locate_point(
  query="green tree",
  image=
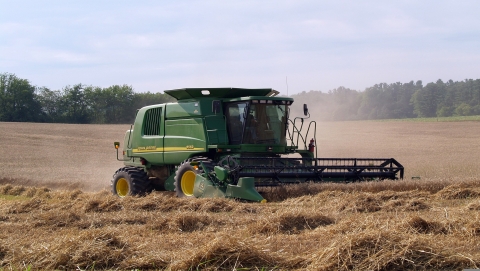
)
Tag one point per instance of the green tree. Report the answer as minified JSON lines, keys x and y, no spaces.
{"x":372,"y":102}
{"x":96,"y":101}
{"x":18,"y":99}
{"x":402,"y":106}
{"x":463,"y":110}
{"x":52,"y":104}
{"x":75,"y":103}
{"x":388,"y":101}
{"x":119,"y":104}
{"x":427,"y":99}
{"x":445,"y":111}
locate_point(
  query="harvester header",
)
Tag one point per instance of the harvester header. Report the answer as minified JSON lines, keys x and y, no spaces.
{"x":225,"y":142}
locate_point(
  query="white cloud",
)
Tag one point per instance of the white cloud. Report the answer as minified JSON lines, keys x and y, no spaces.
{"x":317,"y":44}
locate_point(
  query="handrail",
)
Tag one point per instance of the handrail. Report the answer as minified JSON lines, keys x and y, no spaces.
{"x":298,"y":129}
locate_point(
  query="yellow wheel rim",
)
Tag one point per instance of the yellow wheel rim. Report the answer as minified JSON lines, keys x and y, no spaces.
{"x":187,"y":182}
{"x":122,"y":187}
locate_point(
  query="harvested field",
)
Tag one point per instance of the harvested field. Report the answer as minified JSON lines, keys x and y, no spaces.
{"x":82,"y":156}
{"x":59,"y":155}
{"x":56,"y":211}
{"x":332,"y":230}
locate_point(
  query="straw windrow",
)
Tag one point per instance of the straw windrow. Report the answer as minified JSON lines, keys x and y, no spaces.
{"x":336,"y":229}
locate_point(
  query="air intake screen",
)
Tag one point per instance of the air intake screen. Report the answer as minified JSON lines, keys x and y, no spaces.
{"x":151,"y":123}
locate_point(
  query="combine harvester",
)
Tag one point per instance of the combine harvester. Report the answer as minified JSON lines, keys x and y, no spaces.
{"x":225,"y":142}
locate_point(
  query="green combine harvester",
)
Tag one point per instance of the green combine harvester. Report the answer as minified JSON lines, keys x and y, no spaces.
{"x":226,"y":142}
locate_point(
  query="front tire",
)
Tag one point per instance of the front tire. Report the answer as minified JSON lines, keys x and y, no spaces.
{"x":186,"y":174}
{"x":130,"y":181}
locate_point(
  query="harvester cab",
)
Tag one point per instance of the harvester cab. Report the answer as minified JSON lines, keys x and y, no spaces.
{"x":226,"y":142}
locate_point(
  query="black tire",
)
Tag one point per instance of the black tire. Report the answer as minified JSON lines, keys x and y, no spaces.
{"x":186,"y":174}
{"x":131,"y":181}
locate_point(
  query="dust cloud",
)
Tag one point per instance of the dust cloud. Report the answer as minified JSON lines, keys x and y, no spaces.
{"x":425,"y":149}
{"x":59,"y":156}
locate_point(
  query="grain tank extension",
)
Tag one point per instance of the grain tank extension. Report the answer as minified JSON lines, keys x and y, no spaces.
{"x":225,"y":142}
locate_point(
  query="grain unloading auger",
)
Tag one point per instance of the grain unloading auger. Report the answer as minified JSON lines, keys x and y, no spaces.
{"x":225,"y":142}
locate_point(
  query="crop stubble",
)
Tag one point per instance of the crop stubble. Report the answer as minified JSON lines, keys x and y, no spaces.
{"x":430,"y":223}
{"x":333,"y":230}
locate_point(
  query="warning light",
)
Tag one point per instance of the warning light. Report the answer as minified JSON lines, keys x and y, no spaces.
{"x":117,"y":145}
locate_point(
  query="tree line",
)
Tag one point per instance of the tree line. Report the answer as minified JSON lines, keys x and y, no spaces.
{"x":20,"y":101}
{"x":394,"y":101}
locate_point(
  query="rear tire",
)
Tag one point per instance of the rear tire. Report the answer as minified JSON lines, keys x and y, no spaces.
{"x":131,"y":181}
{"x":186,"y":174}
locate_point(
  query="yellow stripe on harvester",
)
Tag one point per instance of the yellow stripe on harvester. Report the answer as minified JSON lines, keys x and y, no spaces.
{"x":188,"y":148}
{"x":168,"y":149}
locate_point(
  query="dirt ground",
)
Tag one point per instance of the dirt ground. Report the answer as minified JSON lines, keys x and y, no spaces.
{"x":60,"y":155}
{"x":82,"y":156}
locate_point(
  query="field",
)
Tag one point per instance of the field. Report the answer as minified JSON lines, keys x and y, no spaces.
{"x":56,"y":211}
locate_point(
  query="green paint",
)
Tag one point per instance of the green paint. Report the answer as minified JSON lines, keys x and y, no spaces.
{"x":245,"y":189}
{"x":215,"y":123}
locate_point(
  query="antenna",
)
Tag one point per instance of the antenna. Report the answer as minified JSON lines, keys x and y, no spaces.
{"x":286,"y":81}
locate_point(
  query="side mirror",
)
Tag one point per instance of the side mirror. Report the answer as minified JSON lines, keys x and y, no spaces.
{"x":305,"y":109}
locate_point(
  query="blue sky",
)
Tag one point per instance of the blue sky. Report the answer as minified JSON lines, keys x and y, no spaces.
{"x":317,"y":45}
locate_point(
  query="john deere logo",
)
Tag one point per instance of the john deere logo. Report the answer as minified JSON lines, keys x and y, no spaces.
{"x":147,"y":148}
